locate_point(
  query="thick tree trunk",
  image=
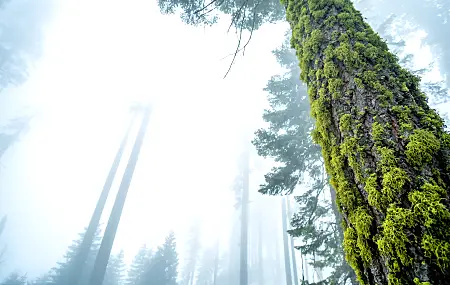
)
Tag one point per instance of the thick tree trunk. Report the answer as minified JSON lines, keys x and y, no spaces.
{"x":384,"y":148}
{"x":85,"y":247}
{"x":291,"y":240}
{"x":101,"y":261}
{"x":243,"y":280}
{"x":287,"y":259}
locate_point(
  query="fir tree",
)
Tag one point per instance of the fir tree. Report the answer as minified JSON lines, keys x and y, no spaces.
{"x":115,"y":271}
{"x":206,"y":269}
{"x":62,"y":271}
{"x":139,"y":265}
{"x":15,"y":279}
{"x":193,"y":249}
{"x":163,"y":266}
{"x":22,"y":23}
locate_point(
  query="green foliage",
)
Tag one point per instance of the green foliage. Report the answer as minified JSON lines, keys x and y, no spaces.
{"x":246,"y":14}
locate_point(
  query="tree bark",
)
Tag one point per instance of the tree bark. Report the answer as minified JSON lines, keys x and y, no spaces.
{"x":86,"y":244}
{"x":287,"y":260}
{"x":102,"y":259}
{"x":385,"y":149}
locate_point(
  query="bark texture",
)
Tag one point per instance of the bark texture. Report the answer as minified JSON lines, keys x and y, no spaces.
{"x":385,"y":149}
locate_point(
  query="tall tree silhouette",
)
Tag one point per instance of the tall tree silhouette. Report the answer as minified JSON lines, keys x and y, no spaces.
{"x":101,"y":261}
{"x":80,"y":259}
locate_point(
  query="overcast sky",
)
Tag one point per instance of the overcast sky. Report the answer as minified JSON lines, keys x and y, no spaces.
{"x":100,"y":56}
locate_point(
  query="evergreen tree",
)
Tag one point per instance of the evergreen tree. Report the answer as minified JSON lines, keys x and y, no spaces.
{"x":15,"y":279}
{"x":206,"y":269}
{"x":193,"y":249}
{"x":22,"y":23}
{"x":63,"y":271}
{"x":163,"y":266}
{"x":115,"y":272}
{"x":138,"y":266}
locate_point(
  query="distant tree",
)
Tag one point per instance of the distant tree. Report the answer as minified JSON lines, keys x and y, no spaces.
{"x":60,"y":273}
{"x":2,"y":228}
{"x":22,"y":24}
{"x":101,"y":262}
{"x":163,"y":266}
{"x":138,"y":265}
{"x":193,"y":249}
{"x":115,"y":272}
{"x":88,"y":238}
{"x":286,"y":248}
{"x":207,"y":267}
{"x":15,"y":279}
{"x":11,"y":132}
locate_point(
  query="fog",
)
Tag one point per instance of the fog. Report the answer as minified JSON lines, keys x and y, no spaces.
{"x":98,"y":58}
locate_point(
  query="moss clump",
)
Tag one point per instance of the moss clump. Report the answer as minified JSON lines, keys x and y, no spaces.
{"x":375,"y":196}
{"x":362,"y":222}
{"x":344,"y":123}
{"x":394,"y":239}
{"x":437,"y":249}
{"x":393,"y":182}
{"x":377,"y":132}
{"x":421,"y":147}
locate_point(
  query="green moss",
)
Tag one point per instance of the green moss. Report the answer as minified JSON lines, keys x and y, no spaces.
{"x":377,"y":132}
{"x":374,"y":194}
{"x":428,"y":207}
{"x":393,"y":182}
{"x":417,"y":282}
{"x":421,"y":147}
{"x":352,"y":252}
{"x":393,"y":243}
{"x":438,"y":249}
{"x":362,"y":222}
{"x":388,"y":159}
{"x":359,"y":83}
{"x":344,"y":122}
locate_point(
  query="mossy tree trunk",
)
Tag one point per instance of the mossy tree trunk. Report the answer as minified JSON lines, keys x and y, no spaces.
{"x":384,"y":147}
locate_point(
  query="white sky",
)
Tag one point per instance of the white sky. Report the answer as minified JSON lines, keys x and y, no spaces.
{"x":100,"y":56}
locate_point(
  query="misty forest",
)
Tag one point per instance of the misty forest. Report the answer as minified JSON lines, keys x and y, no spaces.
{"x":224,"y":142}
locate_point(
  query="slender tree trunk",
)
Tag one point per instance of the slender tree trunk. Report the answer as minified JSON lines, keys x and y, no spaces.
{"x":85,"y":247}
{"x":287,"y":260}
{"x":294,"y":261}
{"x":101,"y":261}
{"x":243,"y":280}
{"x":216,"y":263}
{"x":385,"y":149}
{"x":278,"y":269}
{"x":260,"y":252}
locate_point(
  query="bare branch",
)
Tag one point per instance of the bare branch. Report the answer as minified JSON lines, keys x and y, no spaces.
{"x":237,"y":50}
{"x":204,"y":7}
